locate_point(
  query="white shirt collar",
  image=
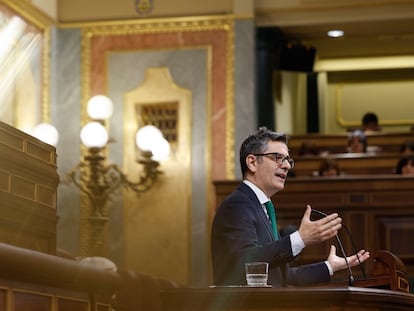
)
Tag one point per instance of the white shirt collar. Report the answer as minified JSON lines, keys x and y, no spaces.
{"x":259,"y":193}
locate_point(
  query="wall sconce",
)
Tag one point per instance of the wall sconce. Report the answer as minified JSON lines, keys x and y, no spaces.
{"x":99,"y":180}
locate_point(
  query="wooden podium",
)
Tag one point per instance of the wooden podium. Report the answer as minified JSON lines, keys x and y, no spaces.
{"x":385,"y":289}
{"x":389,"y":272}
{"x":315,"y":298}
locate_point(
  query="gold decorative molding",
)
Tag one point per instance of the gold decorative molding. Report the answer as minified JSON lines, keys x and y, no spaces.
{"x":168,"y":25}
{"x":46,"y":76}
{"x":356,"y":123}
{"x":230,"y":105}
{"x":29,"y":12}
{"x":150,"y":26}
{"x":155,"y":25}
{"x":43,"y":22}
{"x":338,"y":101}
{"x":85,"y":72}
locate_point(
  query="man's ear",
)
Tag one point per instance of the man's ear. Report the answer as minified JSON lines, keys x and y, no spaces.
{"x":251,"y":162}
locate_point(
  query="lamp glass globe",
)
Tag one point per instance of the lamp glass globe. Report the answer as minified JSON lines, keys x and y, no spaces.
{"x":94,"y":134}
{"x":161,"y":150}
{"x":47,"y":133}
{"x":147,"y":137}
{"x":100,"y":107}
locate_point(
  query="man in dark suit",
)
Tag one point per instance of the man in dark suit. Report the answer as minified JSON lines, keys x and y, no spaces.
{"x":242,"y":227}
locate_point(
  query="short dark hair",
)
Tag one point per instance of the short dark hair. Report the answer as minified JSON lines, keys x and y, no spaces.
{"x":257,"y":143}
{"x":370,"y":117}
{"x":407,"y":145}
{"x":403,"y":162}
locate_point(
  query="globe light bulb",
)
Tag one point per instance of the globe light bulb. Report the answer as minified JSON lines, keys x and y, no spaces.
{"x":147,"y":137}
{"x":47,"y":133}
{"x":100,"y":107}
{"x":161,"y":150}
{"x":150,"y":138}
{"x":94,"y":135}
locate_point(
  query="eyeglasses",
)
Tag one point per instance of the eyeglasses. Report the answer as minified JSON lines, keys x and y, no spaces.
{"x":278,"y":158}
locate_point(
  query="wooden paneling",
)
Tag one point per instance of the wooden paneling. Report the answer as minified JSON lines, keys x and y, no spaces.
{"x":350,"y":163}
{"x":293,"y":299}
{"x":28,"y":187}
{"x":31,"y":280}
{"x":387,"y":142}
{"x":35,"y":281}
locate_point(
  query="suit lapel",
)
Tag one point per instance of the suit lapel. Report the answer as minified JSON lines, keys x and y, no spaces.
{"x":258,"y":209}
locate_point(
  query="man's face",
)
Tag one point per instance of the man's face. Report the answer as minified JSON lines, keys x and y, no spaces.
{"x":267,"y":174}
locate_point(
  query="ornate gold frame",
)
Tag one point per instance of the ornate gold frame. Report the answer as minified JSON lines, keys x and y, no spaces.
{"x":40,"y":20}
{"x":89,"y":30}
{"x":167,"y":25}
{"x":356,"y":123}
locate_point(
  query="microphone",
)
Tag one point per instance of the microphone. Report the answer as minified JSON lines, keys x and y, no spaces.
{"x":355,"y":251}
{"x":348,"y":232}
{"x":350,"y":275}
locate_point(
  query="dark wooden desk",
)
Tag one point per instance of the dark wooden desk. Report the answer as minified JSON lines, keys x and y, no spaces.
{"x":255,"y":299}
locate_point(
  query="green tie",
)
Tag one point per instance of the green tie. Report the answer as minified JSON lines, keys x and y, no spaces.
{"x":271,"y":212}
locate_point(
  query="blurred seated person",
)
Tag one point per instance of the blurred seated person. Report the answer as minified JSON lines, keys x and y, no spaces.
{"x":329,"y":167}
{"x":369,"y":123}
{"x":405,"y":166}
{"x":308,"y":149}
{"x":357,"y":142}
{"x":407,"y":148}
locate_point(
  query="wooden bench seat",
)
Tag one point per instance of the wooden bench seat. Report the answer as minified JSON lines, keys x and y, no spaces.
{"x":386,"y":142}
{"x":350,"y":163}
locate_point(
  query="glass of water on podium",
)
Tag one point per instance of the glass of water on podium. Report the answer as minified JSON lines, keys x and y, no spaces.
{"x":257,"y":274}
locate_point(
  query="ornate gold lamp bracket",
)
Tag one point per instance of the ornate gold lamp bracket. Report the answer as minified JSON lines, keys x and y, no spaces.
{"x":100,"y":181}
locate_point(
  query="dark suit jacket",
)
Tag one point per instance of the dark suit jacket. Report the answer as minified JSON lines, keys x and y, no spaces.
{"x":241,"y":233}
